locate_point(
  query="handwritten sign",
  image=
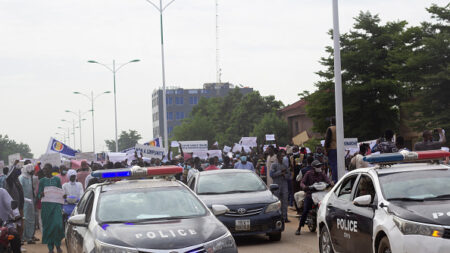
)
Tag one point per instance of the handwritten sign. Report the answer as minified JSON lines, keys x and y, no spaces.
{"x":191,"y":146}
{"x":270,"y":137}
{"x":53,"y":158}
{"x":150,"y":151}
{"x":53,"y":194}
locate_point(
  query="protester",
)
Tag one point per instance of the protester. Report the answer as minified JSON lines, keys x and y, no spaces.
{"x":15,"y":190}
{"x":271,"y":158}
{"x":244,"y":165}
{"x":212,"y":164}
{"x":386,"y":145}
{"x":330,"y":149}
{"x":311,"y":177}
{"x":227,"y":163}
{"x":26,"y":180}
{"x":357,"y":161}
{"x":3,"y":177}
{"x":63,"y":174}
{"x":52,"y":232}
{"x":73,"y":188}
{"x":6,"y":213}
{"x":428,"y":143}
{"x":85,"y":171}
{"x":280,"y":173}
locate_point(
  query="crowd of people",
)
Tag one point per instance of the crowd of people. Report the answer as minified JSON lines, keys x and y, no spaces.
{"x":293,"y":168}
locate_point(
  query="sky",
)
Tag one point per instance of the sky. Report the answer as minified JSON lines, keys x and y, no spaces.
{"x":271,"y":46}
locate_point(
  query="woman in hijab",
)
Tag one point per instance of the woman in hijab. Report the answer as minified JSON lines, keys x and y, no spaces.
{"x":72,"y":188}
{"x":52,"y":221}
{"x":26,"y":180}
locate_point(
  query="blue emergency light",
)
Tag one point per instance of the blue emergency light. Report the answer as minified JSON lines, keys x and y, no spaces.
{"x":137,"y":172}
{"x":406,"y":156}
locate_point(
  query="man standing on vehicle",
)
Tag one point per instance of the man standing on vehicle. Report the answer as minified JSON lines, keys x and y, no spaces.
{"x":311,"y":177}
{"x":428,"y":143}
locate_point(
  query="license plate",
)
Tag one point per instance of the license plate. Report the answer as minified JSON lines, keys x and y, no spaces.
{"x":242,"y":225}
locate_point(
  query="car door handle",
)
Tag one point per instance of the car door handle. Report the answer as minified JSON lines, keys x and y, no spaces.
{"x":349,"y":211}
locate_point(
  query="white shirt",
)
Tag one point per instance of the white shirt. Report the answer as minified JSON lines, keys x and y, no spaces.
{"x":73,"y":189}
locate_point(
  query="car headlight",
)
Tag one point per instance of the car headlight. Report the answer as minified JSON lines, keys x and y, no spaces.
{"x":102,"y":247}
{"x":273,"y":207}
{"x":414,"y":228}
{"x":222,"y":244}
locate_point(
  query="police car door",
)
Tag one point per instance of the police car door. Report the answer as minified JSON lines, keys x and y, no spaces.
{"x":336,"y":218}
{"x":362,"y":217}
{"x":75,"y":234}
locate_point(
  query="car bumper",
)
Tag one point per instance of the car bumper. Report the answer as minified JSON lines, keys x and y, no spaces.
{"x":419,"y":244}
{"x":259,"y":224}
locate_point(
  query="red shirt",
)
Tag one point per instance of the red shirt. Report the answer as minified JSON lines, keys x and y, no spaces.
{"x":211,"y":167}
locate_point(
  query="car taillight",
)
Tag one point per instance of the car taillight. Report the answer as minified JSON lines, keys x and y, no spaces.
{"x":10,"y":237}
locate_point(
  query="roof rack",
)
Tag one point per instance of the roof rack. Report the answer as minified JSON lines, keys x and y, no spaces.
{"x":406,"y":156}
{"x":137,"y":172}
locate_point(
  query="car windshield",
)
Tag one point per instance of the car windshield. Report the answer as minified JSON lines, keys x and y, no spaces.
{"x":223,"y":183}
{"x":137,"y":205}
{"x":416,"y":185}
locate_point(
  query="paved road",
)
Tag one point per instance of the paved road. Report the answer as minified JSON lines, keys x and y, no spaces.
{"x":306,"y":243}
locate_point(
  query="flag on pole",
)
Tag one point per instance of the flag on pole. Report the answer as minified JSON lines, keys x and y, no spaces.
{"x":154,"y":143}
{"x":55,"y":146}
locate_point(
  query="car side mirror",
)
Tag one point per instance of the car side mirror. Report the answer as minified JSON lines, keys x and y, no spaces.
{"x":218,"y":210}
{"x":14,"y":204}
{"x":364,"y":200}
{"x":274,"y":187}
{"x":78,"y":220}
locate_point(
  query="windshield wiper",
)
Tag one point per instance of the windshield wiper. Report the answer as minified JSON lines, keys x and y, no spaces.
{"x":404,"y":199}
{"x":443,"y":196}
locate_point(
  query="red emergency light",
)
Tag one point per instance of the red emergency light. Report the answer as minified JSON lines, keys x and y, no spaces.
{"x":137,"y":172}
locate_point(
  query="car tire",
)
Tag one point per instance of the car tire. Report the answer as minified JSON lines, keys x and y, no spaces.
{"x":275,"y":237}
{"x":385,"y":246}
{"x":325,"y":244}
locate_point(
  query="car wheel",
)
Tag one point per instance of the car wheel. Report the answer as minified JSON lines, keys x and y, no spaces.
{"x":384,"y":246}
{"x":325,"y":245}
{"x":312,"y":224}
{"x":275,"y":237}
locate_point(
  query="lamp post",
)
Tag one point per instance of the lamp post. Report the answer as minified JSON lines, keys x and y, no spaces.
{"x":68,"y":134}
{"x":73,"y":131}
{"x":92,"y":98}
{"x":161,"y":9}
{"x":62,"y":135}
{"x":79,"y":115}
{"x":114,"y":71}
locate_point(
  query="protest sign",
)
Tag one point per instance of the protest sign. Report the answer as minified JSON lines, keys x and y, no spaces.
{"x":53,"y":158}
{"x":174,"y":144}
{"x":213,"y":153}
{"x":12,"y":158}
{"x":351,"y":143}
{"x":101,"y":157}
{"x":53,"y":194}
{"x":226,"y":149}
{"x":237,"y":148}
{"x":203,"y":154}
{"x":150,"y":151}
{"x":191,"y":146}
{"x":88,"y":156}
{"x":116,"y":157}
{"x":301,"y":138}
{"x":248,"y":141}
{"x":270,"y":137}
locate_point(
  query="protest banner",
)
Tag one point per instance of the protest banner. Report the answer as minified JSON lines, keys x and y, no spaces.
{"x":55,"y":146}
{"x":301,"y":138}
{"x":12,"y":158}
{"x":53,"y":158}
{"x":213,"y":153}
{"x":237,"y":148}
{"x":53,"y":194}
{"x":270,"y":137}
{"x":202,"y":154}
{"x":116,"y":156}
{"x":248,"y":142}
{"x":226,"y":149}
{"x":191,"y":146}
{"x":88,"y":156}
{"x":101,"y":157}
{"x":351,"y":143}
{"x":150,"y":151}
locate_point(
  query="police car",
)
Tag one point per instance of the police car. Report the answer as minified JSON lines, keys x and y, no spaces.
{"x":146,"y":215}
{"x":389,"y":208}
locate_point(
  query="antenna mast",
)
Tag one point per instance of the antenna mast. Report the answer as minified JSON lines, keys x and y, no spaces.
{"x":218,"y":69}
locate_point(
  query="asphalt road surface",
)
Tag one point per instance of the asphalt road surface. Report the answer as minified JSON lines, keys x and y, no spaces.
{"x":305,"y":243}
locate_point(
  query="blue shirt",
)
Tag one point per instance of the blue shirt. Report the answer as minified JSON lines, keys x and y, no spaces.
{"x":247,"y":166}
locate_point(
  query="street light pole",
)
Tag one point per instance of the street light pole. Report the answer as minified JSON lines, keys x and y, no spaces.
{"x":79,"y":115}
{"x":73,"y":133}
{"x":114,"y":71}
{"x":338,"y":92}
{"x":161,"y":10}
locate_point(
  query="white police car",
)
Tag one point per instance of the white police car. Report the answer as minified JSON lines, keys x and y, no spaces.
{"x":145,"y":215}
{"x":389,"y":208}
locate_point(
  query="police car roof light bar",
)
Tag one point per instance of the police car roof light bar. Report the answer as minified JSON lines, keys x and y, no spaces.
{"x":406,"y":156}
{"x":137,"y":172}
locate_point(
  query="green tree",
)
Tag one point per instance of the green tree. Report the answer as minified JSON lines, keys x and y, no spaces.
{"x":126,"y":140}
{"x":371,"y":91}
{"x":9,"y":147}
{"x":271,"y":123}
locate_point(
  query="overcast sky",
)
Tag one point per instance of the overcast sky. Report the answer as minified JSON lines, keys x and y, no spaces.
{"x":272,"y":46}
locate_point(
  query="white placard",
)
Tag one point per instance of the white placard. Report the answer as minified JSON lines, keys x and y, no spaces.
{"x":12,"y":158}
{"x":270,"y":137}
{"x":323,"y":143}
{"x":53,"y":158}
{"x":191,"y":146}
{"x":53,"y":194}
{"x":88,"y":156}
{"x":200,"y":154}
{"x":351,"y":143}
{"x":149,"y":151}
{"x":248,"y":141}
{"x":213,"y":153}
{"x":446,"y":149}
{"x":174,"y":144}
{"x":116,"y":156}
{"x":226,"y":149}
{"x":237,"y":148}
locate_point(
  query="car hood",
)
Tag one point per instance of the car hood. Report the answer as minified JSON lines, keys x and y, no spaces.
{"x":261,"y":197}
{"x":162,"y":234}
{"x":432,"y":212}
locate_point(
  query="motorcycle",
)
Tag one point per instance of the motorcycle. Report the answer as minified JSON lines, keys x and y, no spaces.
{"x":69,"y":204}
{"x":311,"y":219}
{"x":7,"y":234}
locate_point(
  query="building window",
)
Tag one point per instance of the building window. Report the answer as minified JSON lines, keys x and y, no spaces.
{"x":170,"y":129}
{"x":170,"y":92}
{"x":169,"y":115}
{"x":179,"y":115}
{"x":180,"y":91}
{"x":179,"y":100}
{"x":169,"y":100}
{"x":205,"y":91}
{"x":193,"y":100}
{"x":193,"y":91}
